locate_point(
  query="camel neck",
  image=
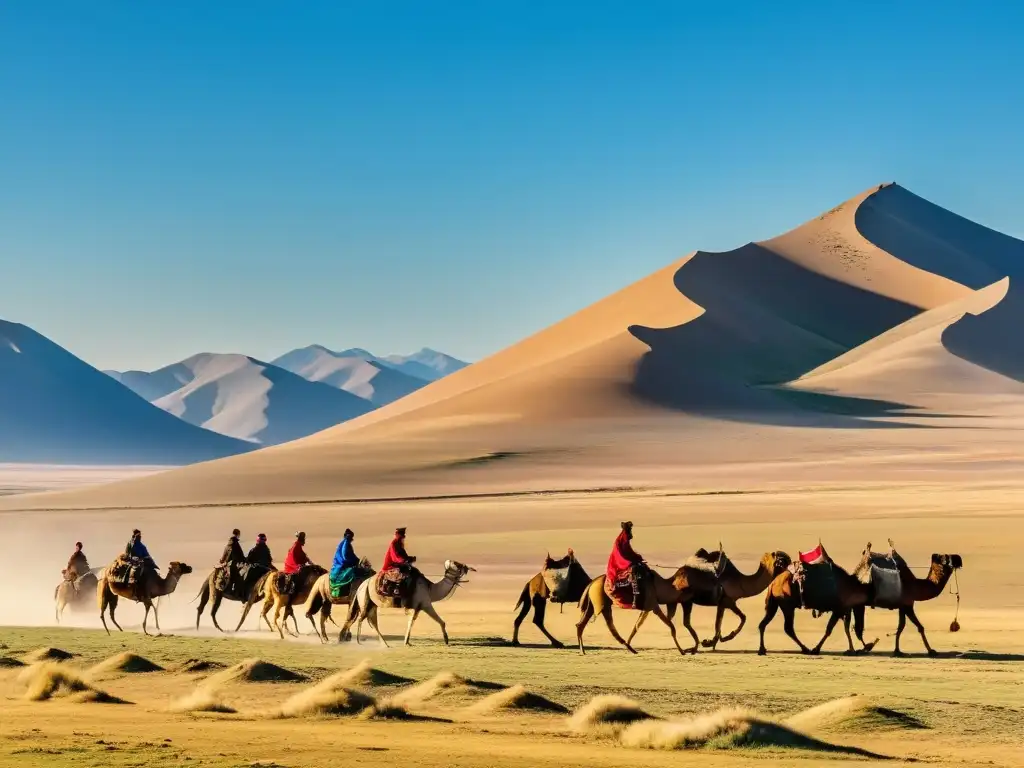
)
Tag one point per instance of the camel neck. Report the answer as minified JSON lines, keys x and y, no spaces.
{"x":441,"y":589}
{"x":756,"y":582}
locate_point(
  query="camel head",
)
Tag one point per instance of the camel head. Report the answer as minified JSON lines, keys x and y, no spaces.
{"x":366,"y":564}
{"x":948,"y":561}
{"x":777,"y":562}
{"x":456,"y":570}
{"x":178,"y":569}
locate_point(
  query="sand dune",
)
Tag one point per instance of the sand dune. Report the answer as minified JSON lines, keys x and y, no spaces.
{"x":849,"y":329}
{"x":56,"y":408}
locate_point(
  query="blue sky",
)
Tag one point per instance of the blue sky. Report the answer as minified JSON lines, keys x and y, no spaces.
{"x":254,"y":176}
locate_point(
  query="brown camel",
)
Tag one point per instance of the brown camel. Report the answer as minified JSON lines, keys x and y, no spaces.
{"x":149,"y":587}
{"x":915,"y":590}
{"x":252,"y":591}
{"x":785,"y":593}
{"x":655,"y":592}
{"x":303,"y":586}
{"x":536,"y":594}
{"x":320,"y":600}
{"x":734,"y":587}
{"x":76,"y":594}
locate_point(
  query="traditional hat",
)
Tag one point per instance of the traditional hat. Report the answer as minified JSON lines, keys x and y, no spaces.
{"x":236,"y":532}
{"x":399,"y":531}
{"x":261,"y":537}
{"x":349,"y":532}
{"x":300,"y":535}
{"x":628,"y":525}
{"x":78,"y":545}
{"x":136,"y":532}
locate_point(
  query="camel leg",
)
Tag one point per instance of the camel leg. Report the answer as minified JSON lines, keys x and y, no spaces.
{"x":833,"y":619}
{"x":103,"y":597}
{"x":371,"y":617}
{"x":149,"y":604}
{"x":606,"y":613}
{"x":771,"y":607}
{"x":687,"y":615}
{"x":585,"y":616}
{"x":743,"y":620}
{"x":671,"y":627}
{"x":540,"y":606}
{"x":204,"y":598}
{"x":858,"y":627}
{"x":268,"y":602}
{"x":290,"y":611}
{"x":277,"y":617}
{"x":429,"y":610}
{"x":217,"y":599}
{"x":636,"y":627}
{"x":346,"y":628}
{"x":156,"y":618}
{"x":719,"y":615}
{"x":245,"y":612}
{"x":527,"y":603}
{"x":899,"y":631}
{"x":408,"y":628}
{"x":325,"y":613}
{"x":789,"y":624}
{"x":920,"y":628}
{"x":849,"y":638}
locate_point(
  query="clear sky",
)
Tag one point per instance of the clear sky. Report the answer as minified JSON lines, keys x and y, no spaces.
{"x":178,"y":177}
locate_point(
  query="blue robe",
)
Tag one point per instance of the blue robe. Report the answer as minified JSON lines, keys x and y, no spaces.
{"x":345,"y":562}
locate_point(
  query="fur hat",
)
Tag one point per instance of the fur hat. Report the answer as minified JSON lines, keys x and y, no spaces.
{"x":627,"y":526}
{"x":300,"y":535}
{"x":236,"y":532}
{"x":261,"y":537}
{"x":78,"y":545}
{"x":349,"y":533}
{"x":399,"y":531}
{"x":136,"y":532}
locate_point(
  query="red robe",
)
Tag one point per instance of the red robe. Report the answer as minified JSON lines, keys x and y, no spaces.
{"x":295,"y":559}
{"x":396,"y":555}
{"x":622,"y":557}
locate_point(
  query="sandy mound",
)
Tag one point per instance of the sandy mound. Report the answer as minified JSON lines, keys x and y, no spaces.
{"x":607,"y":711}
{"x":330,"y":697}
{"x":6,"y":662}
{"x":201,"y":700}
{"x":128,"y":663}
{"x":255,"y":671}
{"x":443,"y":684}
{"x":853,"y":713}
{"x":49,"y":680}
{"x":363,"y":675}
{"x":198,"y":665}
{"x":516,"y":698}
{"x":46,"y":654}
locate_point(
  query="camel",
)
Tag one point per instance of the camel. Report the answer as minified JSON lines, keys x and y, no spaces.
{"x":253,"y":591}
{"x":784,"y":594}
{"x":320,"y":600}
{"x":734,"y":587}
{"x":655,"y":592}
{"x":915,"y":590}
{"x":306,"y":578}
{"x":424,"y":594}
{"x":537,"y":593}
{"x":76,"y":594}
{"x":149,"y":587}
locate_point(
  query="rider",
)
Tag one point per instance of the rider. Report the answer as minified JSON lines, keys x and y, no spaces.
{"x":345,"y":559}
{"x":231,"y":558}
{"x":397,"y":557}
{"x":137,"y":549}
{"x":260,"y":553}
{"x":294,"y":561}
{"x":623,"y":558}
{"x":78,"y":565}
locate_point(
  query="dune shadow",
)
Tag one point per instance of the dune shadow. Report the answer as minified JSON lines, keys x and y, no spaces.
{"x":766,"y":322}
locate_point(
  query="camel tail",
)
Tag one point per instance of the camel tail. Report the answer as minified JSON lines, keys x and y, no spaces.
{"x":524,"y":598}
{"x":203,"y":590}
{"x":584,"y":606}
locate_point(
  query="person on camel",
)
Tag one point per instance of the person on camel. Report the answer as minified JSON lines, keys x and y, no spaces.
{"x":260,"y":553}
{"x":231,"y":559}
{"x":396,"y":556}
{"x":345,"y":567}
{"x":78,"y":564}
{"x":294,"y":561}
{"x":624,"y":559}
{"x":136,"y":550}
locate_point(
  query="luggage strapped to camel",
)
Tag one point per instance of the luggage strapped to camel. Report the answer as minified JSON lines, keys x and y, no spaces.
{"x":814,"y":567}
{"x":394,"y":586}
{"x":882,"y":572}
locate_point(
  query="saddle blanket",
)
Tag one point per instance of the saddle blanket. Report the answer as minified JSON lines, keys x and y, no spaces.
{"x":816,"y":585}
{"x":393,"y":587}
{"x":127,"y":570}
{"x":343,"y":583}
{"x":620,"y":589}
{"x":882,"y":572}
{"x":557,"y":581}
